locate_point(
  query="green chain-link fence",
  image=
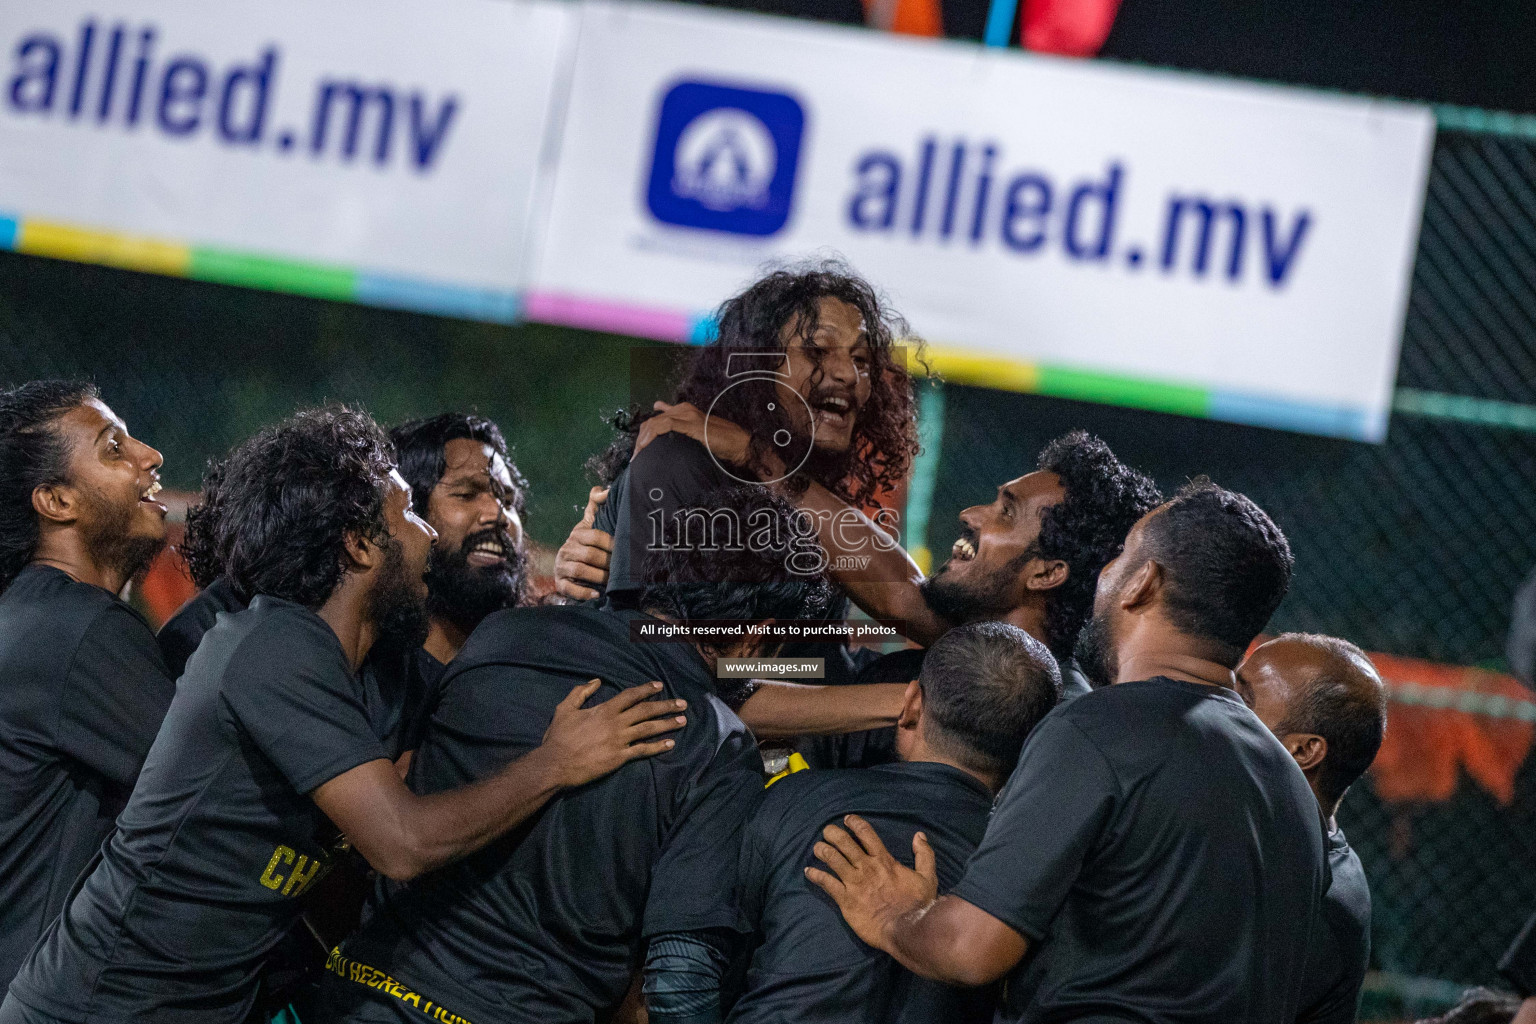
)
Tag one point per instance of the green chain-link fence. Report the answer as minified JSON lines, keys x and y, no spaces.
{"x":1413,"y":547}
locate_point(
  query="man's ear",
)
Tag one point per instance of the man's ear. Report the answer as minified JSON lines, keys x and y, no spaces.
{"x":363,"y":553}
{"x":1046,"y":574}
{"x":911,"y":707}
{"x":1143,"y":587}
{"x":753,"y":644}
{"x":57,"y":503}
{"x":1308,"y":749}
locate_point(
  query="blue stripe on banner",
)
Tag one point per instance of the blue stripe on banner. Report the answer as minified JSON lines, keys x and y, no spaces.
{"x":10,"y":227}
{"x":1335,"y":420}
{"x":1000,"y":22}
{"x":705,"y":329}
{"x":442,"y":299}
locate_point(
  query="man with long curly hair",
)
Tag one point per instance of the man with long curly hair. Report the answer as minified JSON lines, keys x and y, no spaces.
{"x":267,"y":757}
{"x":809,"y":363}
{"x":85,"y":688}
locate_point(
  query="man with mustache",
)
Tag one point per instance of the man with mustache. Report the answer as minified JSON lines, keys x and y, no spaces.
{"x":550,"y":923}
{"x":1030,"y":558}
{"x":464,"y":483}
{"x":267,"y":757}
{"x":1323,"y":700}
{"x":467,"y":489}
{"x":85,"y":688}
{"x":1157,"y":855}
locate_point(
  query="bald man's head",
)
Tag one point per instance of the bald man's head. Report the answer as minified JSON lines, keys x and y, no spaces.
{"x":1323,"y":698}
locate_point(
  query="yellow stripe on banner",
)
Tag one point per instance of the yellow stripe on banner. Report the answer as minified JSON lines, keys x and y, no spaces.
{"x":61,"y":242}
{"x":961,"y":367}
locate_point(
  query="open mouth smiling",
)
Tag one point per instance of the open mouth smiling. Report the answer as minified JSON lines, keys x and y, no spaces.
{"x":487,"y":552}
{"x":148,"y":496}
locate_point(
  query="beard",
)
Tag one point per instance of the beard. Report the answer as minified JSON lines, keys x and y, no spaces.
{"x":464,"y":595}
{"x":106,"y":529}
{"x":1095,"y":653}
{"x":395,"y":607}
{"x":977,"y":600}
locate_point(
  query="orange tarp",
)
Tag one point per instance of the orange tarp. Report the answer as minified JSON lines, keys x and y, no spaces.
{"x":1426,"y":747}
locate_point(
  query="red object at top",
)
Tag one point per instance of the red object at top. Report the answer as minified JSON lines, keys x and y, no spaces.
{"x":1071,"y":28}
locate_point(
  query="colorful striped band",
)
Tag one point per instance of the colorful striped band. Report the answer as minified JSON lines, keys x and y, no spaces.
{"x":317,"y":280}
{"x":224,"y":266}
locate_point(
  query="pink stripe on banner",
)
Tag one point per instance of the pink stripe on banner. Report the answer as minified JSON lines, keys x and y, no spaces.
{"x":613,"y":317}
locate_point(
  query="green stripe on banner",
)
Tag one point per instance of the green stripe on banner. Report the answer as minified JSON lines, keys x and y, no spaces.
{"x":1486,"y":122}
{"x":316,"y":280}
{"x":1487,"y":412}
{"x":1139,"y":394}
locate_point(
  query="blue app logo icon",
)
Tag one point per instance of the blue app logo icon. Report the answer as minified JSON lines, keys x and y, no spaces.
{"x":725,"y":158}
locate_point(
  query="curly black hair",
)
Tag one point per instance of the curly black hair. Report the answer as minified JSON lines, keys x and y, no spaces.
{"x":885,"y":436}
{"x":419,"y":446}
{"x":1228,"y":566}
{"x":1104,"y":498}
{"x":768,"y":566}
{"x":32,"y":453}
{"x":292,"y":494}
{"x":199,"y":541}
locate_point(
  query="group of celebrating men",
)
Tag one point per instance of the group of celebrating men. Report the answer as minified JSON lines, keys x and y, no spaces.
{"x":362,"y":777}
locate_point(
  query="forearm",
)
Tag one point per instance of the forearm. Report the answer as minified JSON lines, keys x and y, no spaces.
{"x":871,"y":566}
{"x":438,"y":829}
{"x":1527,"y":1013}
{"x":939,"y":941}
{"x":780,"y":710}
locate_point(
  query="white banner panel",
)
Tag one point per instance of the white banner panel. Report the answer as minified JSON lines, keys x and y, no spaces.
{"x":1163,"y":240}
{"x":387,"y":144}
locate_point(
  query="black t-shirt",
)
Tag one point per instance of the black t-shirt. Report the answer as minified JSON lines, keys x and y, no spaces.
{"x":83,"y":696}
{"x":547,"y":923}
{"x":1341,"y":946}
{"x":398,"y":686}
{"x":870,"y":747}
{"x":220,"y":838}
{"x":182,"y":632}
{"x":807,"y":965}
{"x":1164,"y":856}
{"x":674,"y":472}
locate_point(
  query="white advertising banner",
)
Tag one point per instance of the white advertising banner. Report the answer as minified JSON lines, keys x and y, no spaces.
{"x":1074,"y":228}
{"x":380,"y":150}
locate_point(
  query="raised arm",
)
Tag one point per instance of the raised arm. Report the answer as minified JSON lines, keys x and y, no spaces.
{"x":403,"y":835}
{"x":896,"y":909}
